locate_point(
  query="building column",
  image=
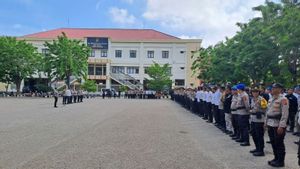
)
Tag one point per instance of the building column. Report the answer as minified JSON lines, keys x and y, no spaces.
{"x":108,"y":79}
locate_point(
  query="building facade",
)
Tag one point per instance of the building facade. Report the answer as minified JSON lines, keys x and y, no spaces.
{"x":119,"y":54}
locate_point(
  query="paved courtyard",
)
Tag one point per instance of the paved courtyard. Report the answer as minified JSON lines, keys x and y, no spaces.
{"x":118,"y":134}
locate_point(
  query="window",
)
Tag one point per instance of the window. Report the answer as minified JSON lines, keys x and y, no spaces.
{"x":182,"y":52}
{"x":150,"y":54}
{"x":104,"y":53}
{"x":104,"y":70}
{"x":182,"y":68}
{"x":118,"y":53}
{"x":99,"y":70}
{"x":118,"y":69}
{"x":45,"y":51}
{"x":165,"y":54}
{"x":93,"y":53}
{"x":132,"y":70}
{"x":132,"y":54}
{"x":179,"y":82}
{"x":91,"y":70}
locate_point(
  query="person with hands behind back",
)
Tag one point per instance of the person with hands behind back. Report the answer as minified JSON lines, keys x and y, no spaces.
{"x":276,"y":122}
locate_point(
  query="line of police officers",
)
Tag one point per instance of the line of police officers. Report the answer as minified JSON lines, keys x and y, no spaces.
{"x":236,"y":113}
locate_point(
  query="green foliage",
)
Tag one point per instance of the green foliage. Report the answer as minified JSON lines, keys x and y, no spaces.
{"x":67,"y":58}
{"x":90,"y":86}
{"x":123,"y":88}
{"x":18,"y":60}
{"x":160,"y":77}
{"x":265,"y":50}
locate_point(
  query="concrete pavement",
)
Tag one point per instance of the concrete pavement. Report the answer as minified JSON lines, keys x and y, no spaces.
{"x":118,"y":134}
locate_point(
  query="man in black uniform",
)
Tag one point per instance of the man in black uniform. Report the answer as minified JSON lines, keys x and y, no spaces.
{"x":293,"y":108}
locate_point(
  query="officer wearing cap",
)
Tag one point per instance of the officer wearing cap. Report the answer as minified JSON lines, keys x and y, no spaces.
{"x":236,"y":132}
{"x":243,"y":107}
{"x":276,"y":121}
{"x":257,"y":117}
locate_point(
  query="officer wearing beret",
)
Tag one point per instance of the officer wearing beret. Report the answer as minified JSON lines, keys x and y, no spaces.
{"x":276,"y":121}
{"x":257,"y":117}
{"x":243,"y":107}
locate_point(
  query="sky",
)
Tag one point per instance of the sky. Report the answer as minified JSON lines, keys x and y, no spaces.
{"x":209,"y":20}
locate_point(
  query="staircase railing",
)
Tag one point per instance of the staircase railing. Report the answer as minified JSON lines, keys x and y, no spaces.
{"x":126,"y":79}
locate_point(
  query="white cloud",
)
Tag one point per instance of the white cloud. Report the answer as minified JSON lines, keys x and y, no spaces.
{"x":189,"y":37}
{"x":121,"y":16}
{"x":212,"y":19}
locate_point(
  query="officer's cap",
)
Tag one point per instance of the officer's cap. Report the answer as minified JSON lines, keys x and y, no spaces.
{"x":255,"y":89}
{"x":277,"y":85}
{"x":234,"y":88}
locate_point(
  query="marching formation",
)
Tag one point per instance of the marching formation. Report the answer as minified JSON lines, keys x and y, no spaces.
{"x":240,"y":111}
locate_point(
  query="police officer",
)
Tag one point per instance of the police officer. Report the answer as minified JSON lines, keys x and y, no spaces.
{"x":243,"y":108}
{"x":257,"y":117}
{"x":276,"y":121}
{"x":55,"y":94}
{"x":293,"y":108}
{"x":228,"y":116}
{"x":233,"y":107}
{"x":209,"y":105}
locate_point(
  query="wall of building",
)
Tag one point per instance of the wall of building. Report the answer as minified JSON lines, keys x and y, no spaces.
{"x":180,"y":53}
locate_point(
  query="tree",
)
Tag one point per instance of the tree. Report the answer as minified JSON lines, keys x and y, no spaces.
{"x":123,"y":88}
{"x":160,"y":77}
{"x":67,"y":58}
{"x":287,"y":33}
{"x":90,"y":86}
{"x":265,"y":50}
{"x":18,"y":60}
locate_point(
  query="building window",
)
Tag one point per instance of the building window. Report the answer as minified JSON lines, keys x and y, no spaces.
{"x":99,"y":70}
{"x":179,"y":82}
{"x":132,"y":70}
{"x":93,"y":53}
{"x":150,"y":54}
{"x":104,"y":53}
{"x":104,"y":70}
{"x":118,"y":53}
{"x":132,"y":54}
{"x":45,"y":51}
{"x":182,"y":52}
{"x":165,"y":54}
{"x":91,"y":70}
{"x":182,"y":68}
{"x":118,"y":69}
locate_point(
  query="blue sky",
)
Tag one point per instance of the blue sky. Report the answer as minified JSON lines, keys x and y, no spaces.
{"x":210,"y":20}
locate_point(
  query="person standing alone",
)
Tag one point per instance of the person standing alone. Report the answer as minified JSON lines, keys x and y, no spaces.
{"x":55,"y":94}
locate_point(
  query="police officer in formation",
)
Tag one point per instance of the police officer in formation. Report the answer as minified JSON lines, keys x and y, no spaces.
{"x":276,"y":121}
{"x":257,"y":118}
{"x":237,"y":110}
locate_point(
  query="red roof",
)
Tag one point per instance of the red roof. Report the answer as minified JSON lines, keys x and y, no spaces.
{"x":114,"y":34}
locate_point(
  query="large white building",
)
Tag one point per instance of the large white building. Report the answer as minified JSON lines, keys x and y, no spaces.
{"x":121,"y":56}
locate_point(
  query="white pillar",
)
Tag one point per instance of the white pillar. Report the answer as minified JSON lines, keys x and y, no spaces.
{"x":108,"y":79}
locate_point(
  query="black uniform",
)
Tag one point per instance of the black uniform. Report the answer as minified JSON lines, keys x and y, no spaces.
{"x":293,"y":108}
